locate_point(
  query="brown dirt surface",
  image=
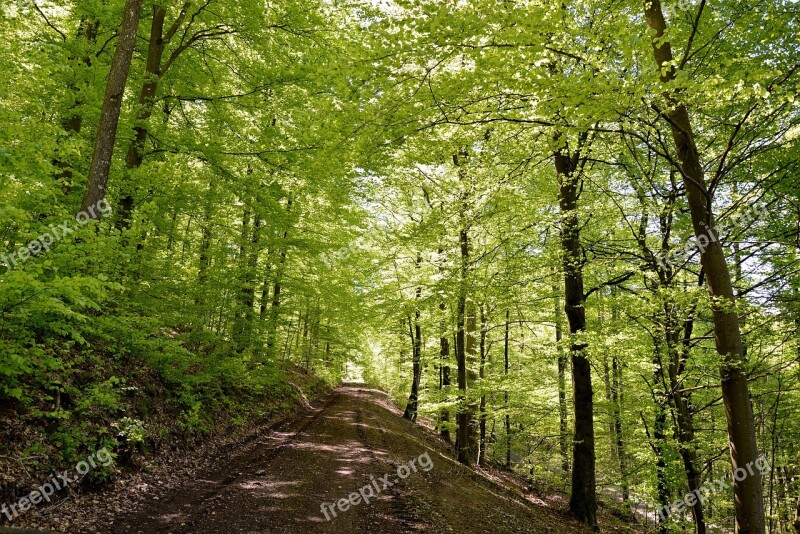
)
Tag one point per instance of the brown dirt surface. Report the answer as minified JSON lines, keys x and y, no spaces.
{"x":351,"y":439}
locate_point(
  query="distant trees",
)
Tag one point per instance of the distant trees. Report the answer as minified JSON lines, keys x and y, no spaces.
{"x":469,"y":157}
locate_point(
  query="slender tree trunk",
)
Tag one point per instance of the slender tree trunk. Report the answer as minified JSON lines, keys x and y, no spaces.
{"x":462,"y":416}
{"x":471,"y":350}
{"x":306,"y":348}
{"x":612,"y":428}
{"x":466,"y":439}
{"x":748,"y":500}
{"x":563,"y":439}
{"x":505,"y":393}
{"x":416,"y":339}
{"x":153,"y":73}
{"x":616,"y":400}
{"x":277,"y":288}
{"x":678,"y":350}
{"x":444,"y":353}
{"x":796,"y":523}
{"x":658,"y":443}
{"x":239,"y":328}
{"x":248,"y":285}
{"x":662,"y":484}
{"x":112,"y":105}
{"x":265,"y":286}
{"x":583,"y":501}
{"x":616,"y":406}
{"x":482,"y":374}
{"x":204,"y":260}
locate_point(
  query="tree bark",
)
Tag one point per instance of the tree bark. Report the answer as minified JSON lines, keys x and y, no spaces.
{"x":662,"y":484}
{"x":444,"y":354}
{"x":563,"y":439}
{"x":748,"y":501}
{"x":678,"y":348}
{"x":482,"y":375}
{"x":466,"y":442}
{"x":416,"y":339}
{"x":109,"y":114}
{"x":616,"y":406}
{"x":153,"y":74}
{"x":277,"y":287}
{"x":583,"y":500}
{"x":505,"y":393}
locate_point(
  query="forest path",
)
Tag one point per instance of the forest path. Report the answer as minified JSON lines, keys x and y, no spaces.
{"x":348,"y":443}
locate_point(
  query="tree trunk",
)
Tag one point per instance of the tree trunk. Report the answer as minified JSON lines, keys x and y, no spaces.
{"x":482,"y":408}
{"x":109,"y":114}
{"x":748,"y":501}
{"x":416,"y":339}
{"x":505,"y":393}
{"x":471,"y":351}
{"x":277,"y":288}
{"x":466,"y":439}
{"x":444,"y":354}
{"x":563,"y":439}
{"x":616,"y":400}
{"x":410,"y":412}
{"x":153,"y":74}
{"x":662,"y":485}
{"x":583,"y":500}
{"x":265,"y":287}
{"x":678,"y":351}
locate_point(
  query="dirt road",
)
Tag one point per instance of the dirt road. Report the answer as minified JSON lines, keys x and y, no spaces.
{"x":353,"y":441}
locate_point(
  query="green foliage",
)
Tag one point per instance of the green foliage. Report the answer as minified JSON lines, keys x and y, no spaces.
{"x":309,"y":177}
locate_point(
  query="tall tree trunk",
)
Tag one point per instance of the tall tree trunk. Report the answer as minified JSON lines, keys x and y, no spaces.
{"x":204,"y":262}
{"x":471,"y":352}
{"x":505,"y":393}
{"x":612,"y":427}
{"x":563,"y":439}
{"x":796,"y":523}
{"x":616,"y":400}
{"x":678,"y":351}
{"x":662,"y":484}
{"x":265,"y":287}
{"x":416,"y":339}
{"x":154,"y":71}
{"x":444,"y":354}
{"x":748,"y":500}
{"x":482,"y":374}
{"x":466,"y":442}
{"x":583,"y":500}
{"x":277,"y":287}
{"x":462,"y":416}
{"x":109,"y":114}
{"x":658,"y":442}
{"x":247,"y":279}
{"x":616,"y":406}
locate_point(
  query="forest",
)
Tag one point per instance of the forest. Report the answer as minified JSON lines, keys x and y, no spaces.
{"x":562,"y":236}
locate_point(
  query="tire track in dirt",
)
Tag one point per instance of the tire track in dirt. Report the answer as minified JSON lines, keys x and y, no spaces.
{"x":282,"y":484}
{"x":178,"y":499}
{"x":398,"y":503}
